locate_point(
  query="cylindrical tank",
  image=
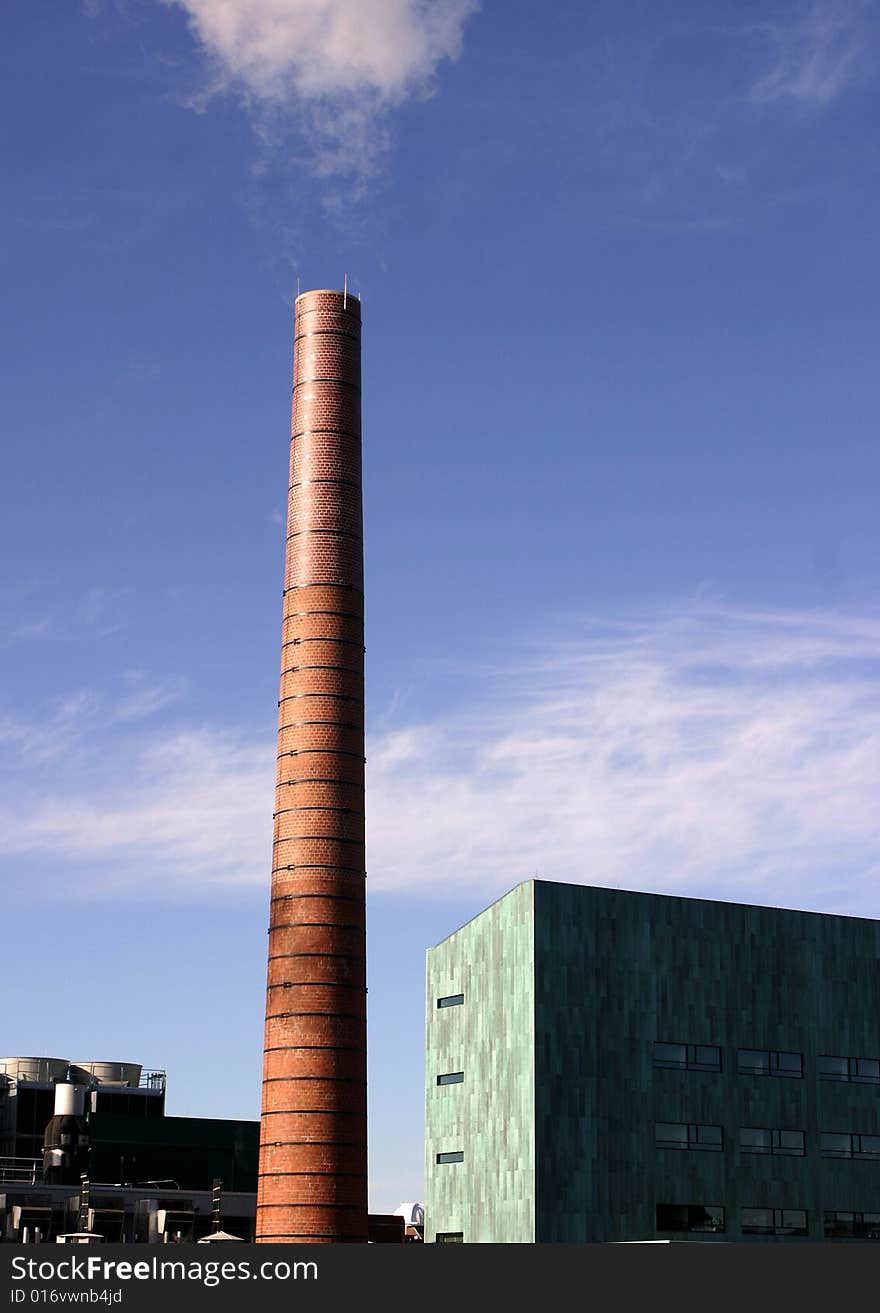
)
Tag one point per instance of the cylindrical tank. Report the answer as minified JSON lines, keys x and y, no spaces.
{"x":113,"y":1073}
{"x":70,"y":1100}
{"x":66,"y":1139}
{"x":313,"y":1141}
{"x":42,"y":1070}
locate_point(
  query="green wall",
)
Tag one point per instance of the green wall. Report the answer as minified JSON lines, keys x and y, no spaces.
{"x":617,"y":970}
{"x":490,"y":1115}
{"x":566,"y":989}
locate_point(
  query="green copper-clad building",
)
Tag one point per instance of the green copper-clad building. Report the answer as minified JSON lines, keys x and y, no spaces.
{"x":612,"y":1066}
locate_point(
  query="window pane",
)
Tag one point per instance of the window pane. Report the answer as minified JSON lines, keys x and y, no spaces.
{"x":709,"y":1137}
{"x":791,"y":1142}
{"x":754,"y":1060}
{"x":671,"y":1135}
{"x":793,"y":1221}
{"x":450,"y":1237}
{"x":670,"y":1055}
{"x":869,"y":1146}
{"x":833,"y":1145}
{"x":867,"y":1070}
{"x":705,"y":1217}
{"x":754,"y":1139}
{"x":672,"y":1217}
{"x":757,"y":1221}
{"x":451,"y":1078}
{"x":832,"y":1068}
{"x":457,"y":1156}
{"x":707,"y":1057}
{"x":789,"y":1064}
{"x":450,"y":1001}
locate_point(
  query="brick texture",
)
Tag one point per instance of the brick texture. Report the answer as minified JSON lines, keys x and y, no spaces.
{"x":313,"y":1141}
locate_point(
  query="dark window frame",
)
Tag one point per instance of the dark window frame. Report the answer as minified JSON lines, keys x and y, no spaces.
{"x":853,"y":1076}
{"x":857,"y":1223}
{"x":692,"y":1218}
{"x":692,"y":1138}
{"x":772,"y":1068}
{"x":856,"y":1150}
{"x":690,"y":1062}
{"x":777,"y":1225}
{"x":775,"y":1147}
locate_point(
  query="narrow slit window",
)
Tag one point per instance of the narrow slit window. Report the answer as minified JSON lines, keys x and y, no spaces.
{"x":451,"y":1078}
{"x":450,"y":1001}
{"x":456,"y":1156}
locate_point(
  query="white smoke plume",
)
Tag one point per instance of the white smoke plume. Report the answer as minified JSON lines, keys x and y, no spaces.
{"x":341,"y":63}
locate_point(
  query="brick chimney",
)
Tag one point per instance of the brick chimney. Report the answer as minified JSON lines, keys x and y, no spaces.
{"x":313,"y":1139}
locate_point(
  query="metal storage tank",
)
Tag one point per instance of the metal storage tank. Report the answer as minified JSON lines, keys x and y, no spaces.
{"x":113,"y":1073}
{"x":43,"y":1070}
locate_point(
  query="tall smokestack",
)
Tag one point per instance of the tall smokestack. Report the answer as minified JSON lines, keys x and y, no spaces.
{"x":313,"y":1140}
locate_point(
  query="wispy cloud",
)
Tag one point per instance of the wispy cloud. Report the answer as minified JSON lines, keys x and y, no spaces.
{"x":72,"y":728}
{"x":712,"y":750}
{"x":337,"y":65}
{"x":818,"y":54}
{"x":28,"y":614}
{"x":718,"y":751}
{"x":194,"y":806}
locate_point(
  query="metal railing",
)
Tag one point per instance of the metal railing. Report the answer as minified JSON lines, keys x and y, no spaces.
{"x":48,"y":1071}
{"x":21,"y":1171}
{"x":152,"y":1080}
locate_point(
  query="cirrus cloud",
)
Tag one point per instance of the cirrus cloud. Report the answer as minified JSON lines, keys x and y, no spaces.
{"x":825,"y":49}
{"x":708,"y":750}
{"x":716,"y":751}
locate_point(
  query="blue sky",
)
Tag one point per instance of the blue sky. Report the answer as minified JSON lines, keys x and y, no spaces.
{"x":619,"y":275}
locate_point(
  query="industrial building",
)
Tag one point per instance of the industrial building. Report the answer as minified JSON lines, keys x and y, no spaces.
{"x":87,"y":1152}
{"x":148,"y":1177}
{"x":613,"y":1066}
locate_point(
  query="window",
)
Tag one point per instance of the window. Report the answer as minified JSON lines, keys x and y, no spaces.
{"x":450,"y":1237}
{"x":690,"y":1217}
{"x":774,"y":1221}
{"x":852,"y":1226}
{"x":861,"y":1071}
{"x":755,"y":1139}
{"x":451,"y":1078}
{"x":450,"y":1001}
{"x":687,"y":1057}
{"x":457,"y":1156}
{"x":835,"y":1144}
{"x":769,"y":1062}
{"x":681,"y":1135}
